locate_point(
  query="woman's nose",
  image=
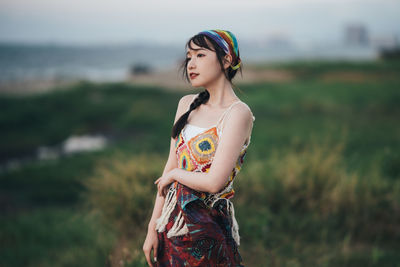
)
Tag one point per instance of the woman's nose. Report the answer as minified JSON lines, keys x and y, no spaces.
{"x":191,"y":64}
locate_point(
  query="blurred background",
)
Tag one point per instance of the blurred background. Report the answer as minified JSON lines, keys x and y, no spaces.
{"x":88,"y":95}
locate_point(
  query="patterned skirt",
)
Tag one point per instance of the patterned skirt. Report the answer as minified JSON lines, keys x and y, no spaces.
{"x":209,"y":241}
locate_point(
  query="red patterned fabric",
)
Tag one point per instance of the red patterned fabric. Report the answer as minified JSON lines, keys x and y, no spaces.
{"x":209,"y":239}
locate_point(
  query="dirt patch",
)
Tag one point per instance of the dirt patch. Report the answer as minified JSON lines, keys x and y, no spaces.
{"x":173,"y":80}
{"x":354,"y":76}
{"x":170,"y":79}
{"x":32,"y":86}
{"x":251,"y":75}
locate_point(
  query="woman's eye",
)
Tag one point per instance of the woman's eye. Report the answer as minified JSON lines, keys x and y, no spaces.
{"x":189,"y":58}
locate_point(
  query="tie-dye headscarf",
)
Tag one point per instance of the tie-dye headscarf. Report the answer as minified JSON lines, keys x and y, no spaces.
{"x":227,"y":41}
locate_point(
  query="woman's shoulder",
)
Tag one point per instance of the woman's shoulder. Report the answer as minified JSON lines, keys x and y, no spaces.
{"x":186,"y":100}
{"x":243,"y":109}
{"x":184,"y":103}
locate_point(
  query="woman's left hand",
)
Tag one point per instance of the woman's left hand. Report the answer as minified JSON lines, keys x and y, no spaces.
{"x":164,"y":181}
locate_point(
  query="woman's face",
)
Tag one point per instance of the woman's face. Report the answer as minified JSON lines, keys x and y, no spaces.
{"x":204,"y":63}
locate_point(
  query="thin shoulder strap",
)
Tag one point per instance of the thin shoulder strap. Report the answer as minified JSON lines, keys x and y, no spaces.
{"x":222,"y":118}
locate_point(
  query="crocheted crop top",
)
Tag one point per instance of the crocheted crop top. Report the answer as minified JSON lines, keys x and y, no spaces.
{"x":195,"y":148}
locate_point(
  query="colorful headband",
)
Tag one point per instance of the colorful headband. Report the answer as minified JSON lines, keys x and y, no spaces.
{"x":227,"y":41}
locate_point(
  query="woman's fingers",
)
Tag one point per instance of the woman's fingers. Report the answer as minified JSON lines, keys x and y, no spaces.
{"x":147,"y":254}
{"x":159,"y":190}
{"x":155,"y":252}
{"x":158,"y":185}
{"x":164,"y":191}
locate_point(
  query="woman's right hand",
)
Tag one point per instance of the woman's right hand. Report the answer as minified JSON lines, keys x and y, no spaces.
{"x":151,"y":243}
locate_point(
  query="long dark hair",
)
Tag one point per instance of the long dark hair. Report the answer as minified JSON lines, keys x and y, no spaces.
{"x":200,"y":40}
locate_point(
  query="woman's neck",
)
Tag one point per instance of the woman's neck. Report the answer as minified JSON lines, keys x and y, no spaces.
{"x":221,"y":94}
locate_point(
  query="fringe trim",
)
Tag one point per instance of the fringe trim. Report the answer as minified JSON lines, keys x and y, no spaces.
{"x":167,"y":209}
{"x":179,"y":227}
{"x":235,"y":226}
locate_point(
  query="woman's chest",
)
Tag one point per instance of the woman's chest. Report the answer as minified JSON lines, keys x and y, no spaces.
{"x":195,"y":147}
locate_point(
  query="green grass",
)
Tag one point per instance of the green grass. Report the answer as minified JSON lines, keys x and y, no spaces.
{"x":118,"y":110}
{"x":320,"y":185}
{"x":54,"y":236}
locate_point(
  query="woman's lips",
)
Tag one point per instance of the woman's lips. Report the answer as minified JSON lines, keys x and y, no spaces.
{"x":193,"y":75}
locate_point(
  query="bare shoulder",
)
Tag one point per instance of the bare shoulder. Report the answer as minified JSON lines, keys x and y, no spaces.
{"x":242,"y":112}
{"x":186,"y":100}
{"x":184,"y":104}
{"x":240,"y":119}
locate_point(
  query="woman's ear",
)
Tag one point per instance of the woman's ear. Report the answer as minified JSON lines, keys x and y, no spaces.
{"x":227,"y":61}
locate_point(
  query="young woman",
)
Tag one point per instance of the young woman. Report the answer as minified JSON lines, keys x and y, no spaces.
{"x":193,"y":221}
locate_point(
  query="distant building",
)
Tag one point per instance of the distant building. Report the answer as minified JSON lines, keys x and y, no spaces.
{"x":356,"y":35}
{"x":140,"y":68}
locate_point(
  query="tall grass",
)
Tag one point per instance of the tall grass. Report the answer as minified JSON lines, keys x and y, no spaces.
{"x":309,"y":195}
{"x":122,"y":191}
{"x":303,"y":194}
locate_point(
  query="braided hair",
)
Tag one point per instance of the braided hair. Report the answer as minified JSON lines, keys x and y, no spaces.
{"x":202,"y":40}
{"x":181,"y":122}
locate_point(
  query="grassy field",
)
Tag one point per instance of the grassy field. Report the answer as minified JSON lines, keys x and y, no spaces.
{"x":320,"y":185}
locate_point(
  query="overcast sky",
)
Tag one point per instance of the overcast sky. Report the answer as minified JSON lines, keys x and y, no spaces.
{"x":174,"y":21}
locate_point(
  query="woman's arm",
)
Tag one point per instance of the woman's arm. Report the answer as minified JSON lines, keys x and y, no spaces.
{"x":171,"y":164}
{"x":238,"y":126}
